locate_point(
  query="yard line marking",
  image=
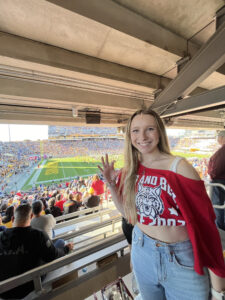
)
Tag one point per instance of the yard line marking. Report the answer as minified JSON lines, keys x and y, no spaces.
{"x":63,"y":170}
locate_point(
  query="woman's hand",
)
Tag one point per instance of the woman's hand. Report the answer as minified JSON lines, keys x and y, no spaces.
{"x":108,"y":170}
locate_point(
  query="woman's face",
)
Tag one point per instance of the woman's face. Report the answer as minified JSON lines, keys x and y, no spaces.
{"x":144,"y":134}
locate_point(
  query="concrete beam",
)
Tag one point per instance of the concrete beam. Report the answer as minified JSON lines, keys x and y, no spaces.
{"x":34,"y":115}
{"x":208,"y":59}
{"x":38,"y":94}
{"x":114,"y":15}
{"x":183,"y":123}
{"x":24,"y":53}
{"x":210,"y":99}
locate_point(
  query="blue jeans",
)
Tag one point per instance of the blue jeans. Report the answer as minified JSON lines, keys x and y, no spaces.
{"x":60,"y":243}
{"x":166,"y":271}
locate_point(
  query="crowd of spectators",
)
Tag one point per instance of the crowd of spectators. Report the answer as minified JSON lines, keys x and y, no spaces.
{"x":57,"y":199}
{"x":201,"y":166}
{"x":61,"y":131}
{"x":16,"y":157}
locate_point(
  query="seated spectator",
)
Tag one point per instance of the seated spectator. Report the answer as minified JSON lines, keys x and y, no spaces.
{"x":2,"y":227}
{"x":59,"y":202}
{"x":44,"y":222}
{"x":52,"y":209}
{"x":23,"y":248}
{"x":4,"y":206}
{"x":16,"y":201}
{"x":7,"y":219}
{"x":78,"y":196}
{"x":92,"y":201}
{"x":71,"y":205}
{"x":40,"y":221}
{"x":85,"y":197}
{"x":81,"y":182}
{"x":45,"y":203}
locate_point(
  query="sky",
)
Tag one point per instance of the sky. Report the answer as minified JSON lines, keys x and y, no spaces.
{"x":23,"y":132}
{"x":175,"y":132}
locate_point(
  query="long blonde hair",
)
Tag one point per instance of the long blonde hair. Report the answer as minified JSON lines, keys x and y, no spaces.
{"x":131,"y":160}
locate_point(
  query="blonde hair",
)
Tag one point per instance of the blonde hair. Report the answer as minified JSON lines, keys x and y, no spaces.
{"x":131,"y":160}
{"x":95,"y":177}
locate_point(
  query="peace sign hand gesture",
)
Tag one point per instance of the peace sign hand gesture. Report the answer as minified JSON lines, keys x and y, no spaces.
{"x":108,"y":170}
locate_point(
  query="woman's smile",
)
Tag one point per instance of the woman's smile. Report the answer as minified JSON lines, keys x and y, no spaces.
{"x":144,"y":133}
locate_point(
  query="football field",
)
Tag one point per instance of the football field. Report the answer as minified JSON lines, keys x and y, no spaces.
{"x":62,"y":169}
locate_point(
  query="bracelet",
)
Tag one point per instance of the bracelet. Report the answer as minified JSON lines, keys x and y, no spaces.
{"x":111,"y":183}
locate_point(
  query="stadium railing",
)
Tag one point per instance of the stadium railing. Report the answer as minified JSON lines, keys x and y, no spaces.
{"x":85,"y":211}
{"x":81,"y":219}
{"x":82,"y":286}
{"x":210,"y":185}
{"x":90,"y":228}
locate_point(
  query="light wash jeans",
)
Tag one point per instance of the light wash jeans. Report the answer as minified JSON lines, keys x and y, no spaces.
{"x":166,"y":271}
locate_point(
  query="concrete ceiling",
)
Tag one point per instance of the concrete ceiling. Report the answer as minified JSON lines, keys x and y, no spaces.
{"x":61,"y":60}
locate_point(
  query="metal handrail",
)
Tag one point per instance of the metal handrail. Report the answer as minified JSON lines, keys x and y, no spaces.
{"x":82,"y":219}
{"x":210,"y":184}
{"x":86,"y":229}
{"x":78,"y":213}
{"x":36,"y":273}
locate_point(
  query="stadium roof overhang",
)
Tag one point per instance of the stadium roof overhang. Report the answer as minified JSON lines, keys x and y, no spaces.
{"x":62,"y":61}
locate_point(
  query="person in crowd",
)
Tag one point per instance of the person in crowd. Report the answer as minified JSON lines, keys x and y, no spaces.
{"x":40,"y":221}
{"x":216,"y":170}
{"x":23,"y":248}
{"x":4,"y":205}
{"x":175,"y":239}
{"x":98,"y":187}
{"x":2,"y":227}
{"x":59,"y":201}
{"x":52,"y":209}
{"x":45,"y":222}
{"x":81,"y":182}
{"x":91,"y":201}
{"x":7,"y":219}
{"x":71,"y":205}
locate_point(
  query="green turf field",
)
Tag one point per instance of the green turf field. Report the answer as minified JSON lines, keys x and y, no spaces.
{"x":57,"y":169}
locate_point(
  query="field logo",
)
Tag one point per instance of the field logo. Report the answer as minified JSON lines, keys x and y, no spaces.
{"x":52,"y":168}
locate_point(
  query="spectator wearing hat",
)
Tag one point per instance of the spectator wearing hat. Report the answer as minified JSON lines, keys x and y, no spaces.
{"x":216,"y":170}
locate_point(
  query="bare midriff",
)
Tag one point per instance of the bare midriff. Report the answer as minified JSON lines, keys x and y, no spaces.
{"x":167,"y":234}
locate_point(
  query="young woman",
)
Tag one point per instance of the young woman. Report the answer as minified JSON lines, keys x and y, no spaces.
{"x":176,"y":248}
